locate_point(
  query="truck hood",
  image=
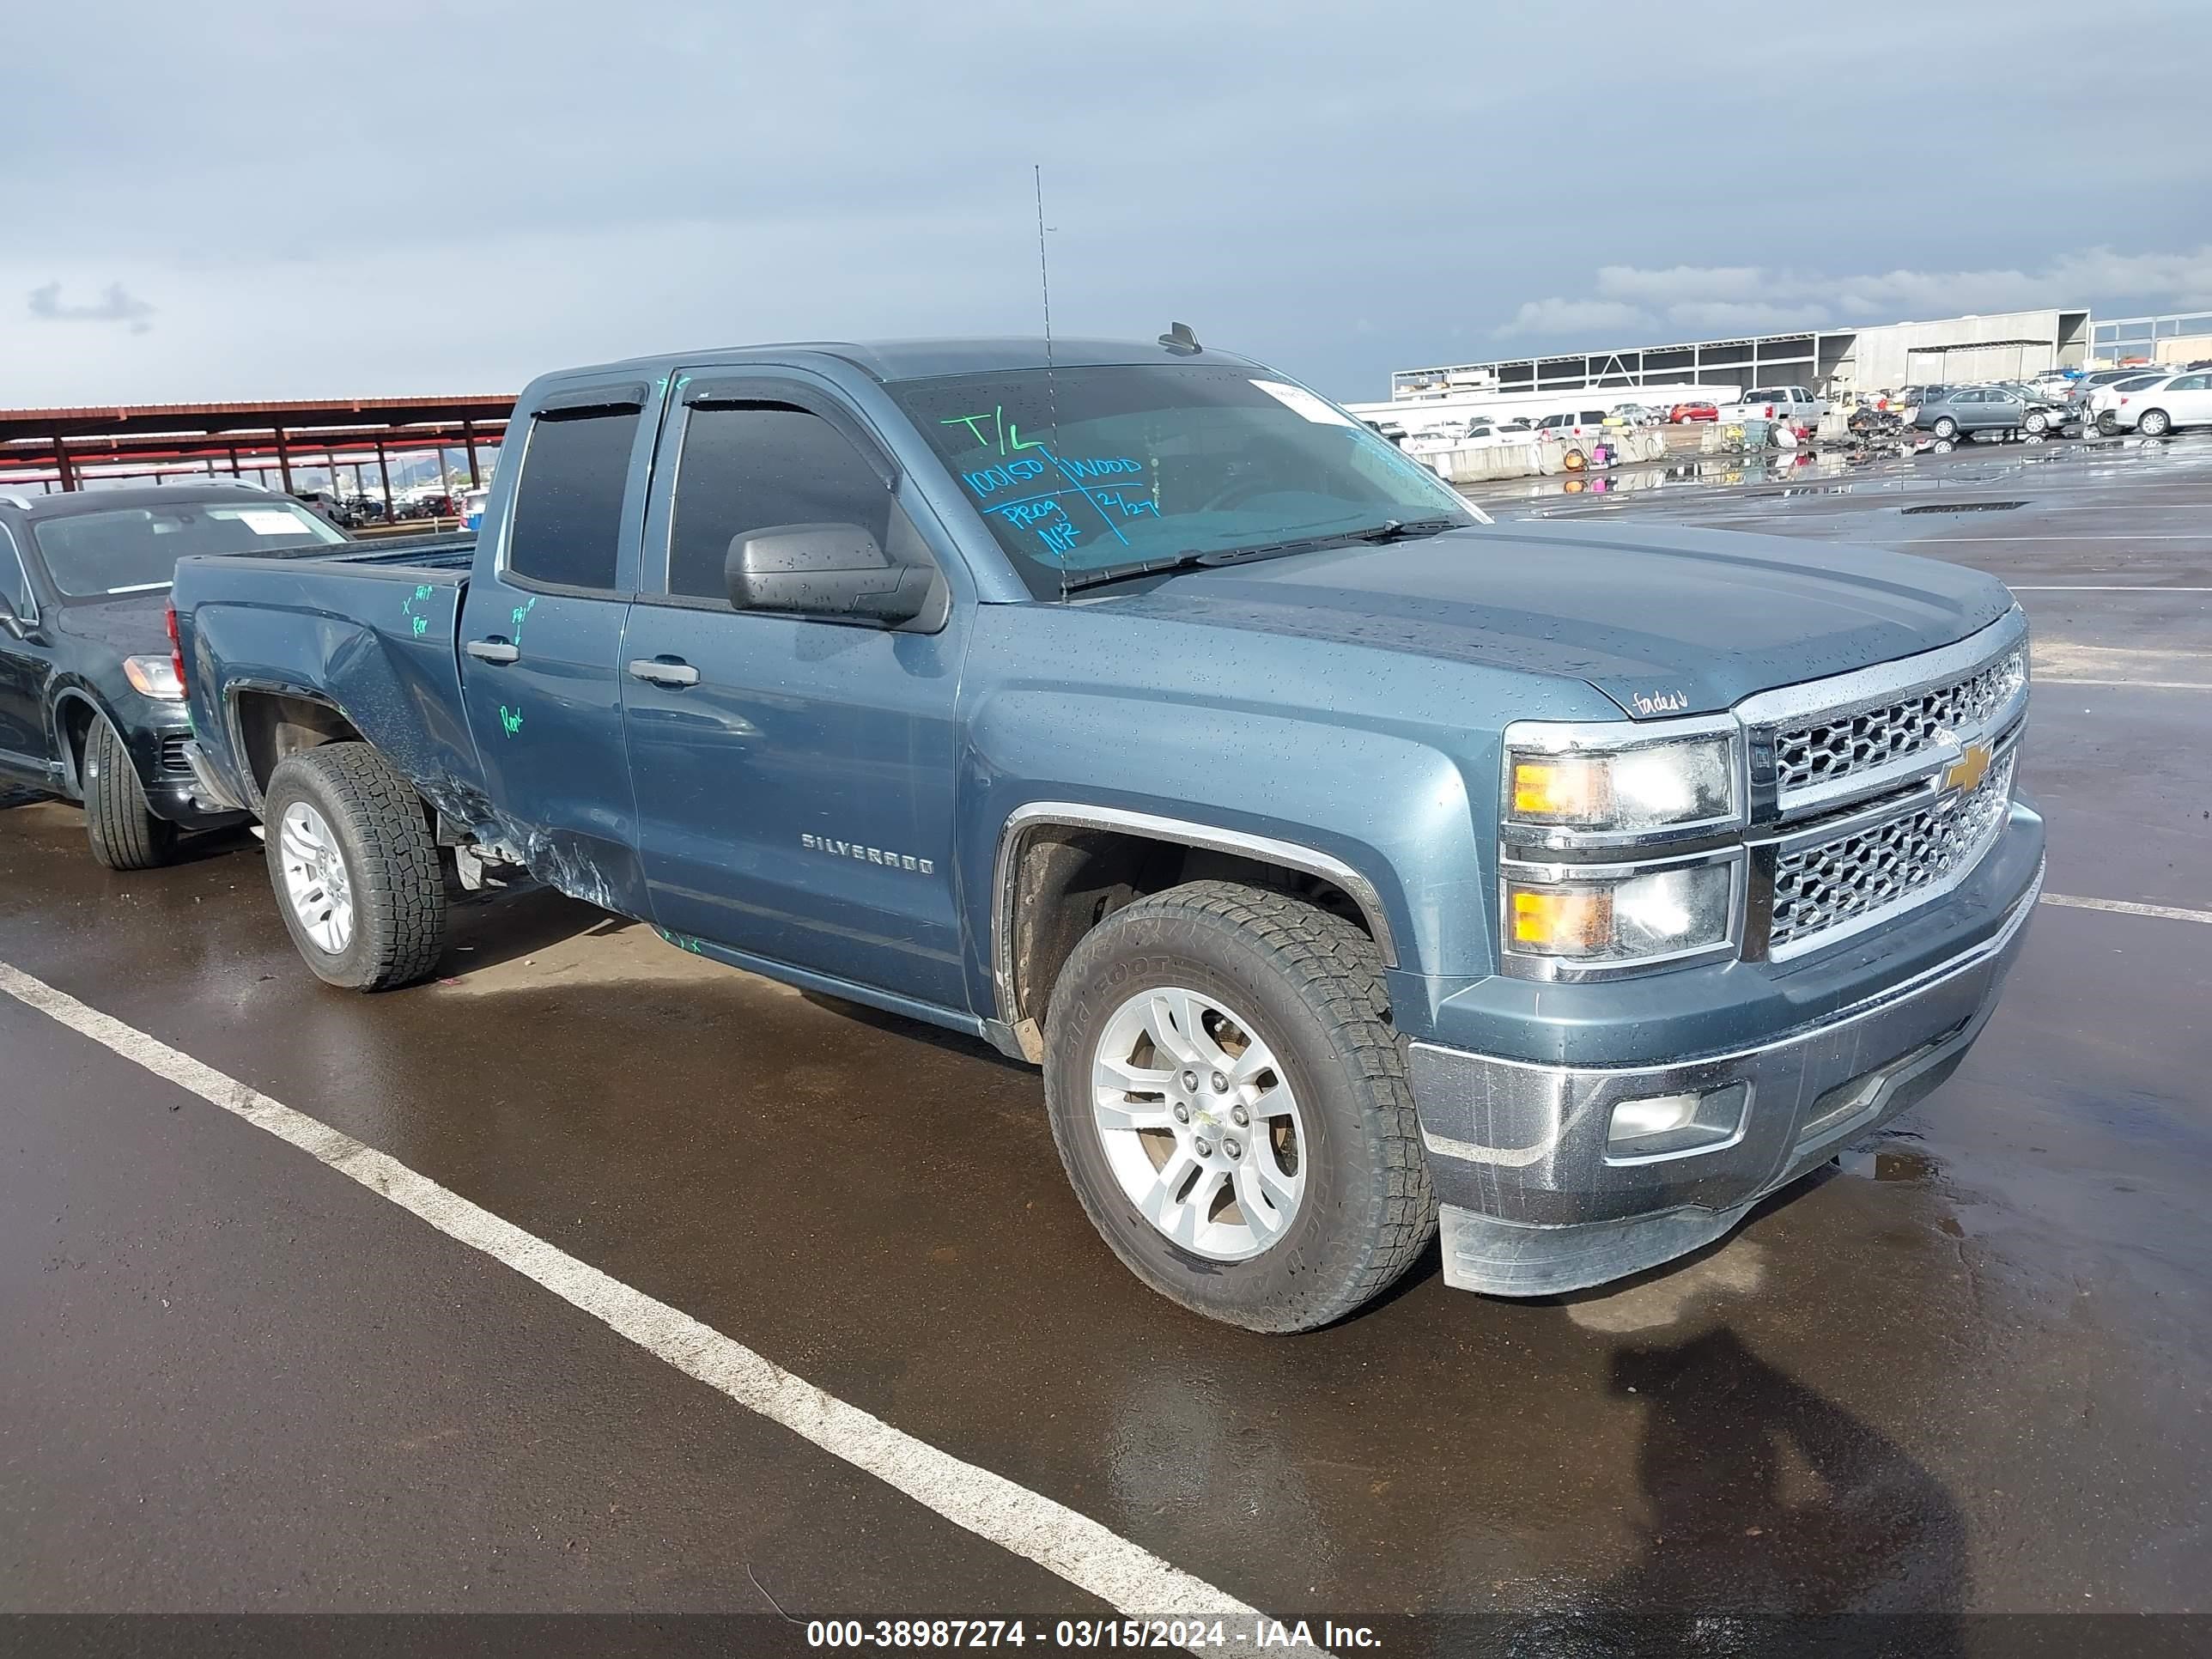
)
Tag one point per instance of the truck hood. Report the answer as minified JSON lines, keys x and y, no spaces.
{"x":1662,"y":621}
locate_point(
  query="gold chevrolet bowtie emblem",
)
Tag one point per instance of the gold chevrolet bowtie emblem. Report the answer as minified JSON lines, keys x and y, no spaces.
{"x":1965,"y":773}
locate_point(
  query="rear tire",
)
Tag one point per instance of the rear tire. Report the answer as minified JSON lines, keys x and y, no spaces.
{"x":355,"y":867}
{"x":122,"y":829}
{"x":1946,"y":427}
{"x":1272,"y":978}
{"x":2155,"y":423}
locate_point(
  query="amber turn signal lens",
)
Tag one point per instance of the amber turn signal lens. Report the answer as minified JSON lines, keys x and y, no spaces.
{"x":1562,"y":919}
{"x":1561,"y":787}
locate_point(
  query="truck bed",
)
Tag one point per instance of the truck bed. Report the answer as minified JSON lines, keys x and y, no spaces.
{"x":369,"y":630}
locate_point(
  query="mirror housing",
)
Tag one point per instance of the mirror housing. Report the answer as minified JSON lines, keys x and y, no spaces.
{"x":833,"y":572}
{"x":12,"y":623}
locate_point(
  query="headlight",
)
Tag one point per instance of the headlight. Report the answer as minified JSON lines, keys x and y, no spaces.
{"x":1653,"y":785}
{"x":153,"y":676}
{"x":1656,"y":914}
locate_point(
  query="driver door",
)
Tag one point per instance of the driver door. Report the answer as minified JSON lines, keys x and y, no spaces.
{"x":795,"y":777}
{"x":25,"y":669}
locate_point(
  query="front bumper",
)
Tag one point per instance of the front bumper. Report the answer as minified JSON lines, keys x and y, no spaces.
{"x":1532,"y":1204}
{"x":170,"y":770}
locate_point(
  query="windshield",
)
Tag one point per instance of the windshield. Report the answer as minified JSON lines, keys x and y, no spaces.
{"x":135,"y":550}
{"x":1079,"y":469}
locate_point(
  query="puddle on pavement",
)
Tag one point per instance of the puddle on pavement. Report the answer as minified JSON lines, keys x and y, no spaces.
{"x":1737,"y":1268}
{"x":1884,"y":465}
{"x":1889,"y":1164}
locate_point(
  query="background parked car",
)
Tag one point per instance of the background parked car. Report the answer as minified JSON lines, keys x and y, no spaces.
{"x":1572,"y":424}
{"x":2038,"y":413}
{"x":91,"y":695}
{"x":2156,"y":410}
{"x":2104,"y":404}
{"x":1794,"y":404}
{"x":1693,"y":411}
{"x":1968,"y":409}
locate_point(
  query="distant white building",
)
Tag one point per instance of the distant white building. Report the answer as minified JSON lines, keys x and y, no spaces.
{"x":2177,"y":338}
{"x":2001,"y":345}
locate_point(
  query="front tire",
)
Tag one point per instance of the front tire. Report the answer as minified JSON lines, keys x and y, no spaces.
{"x":122,"y":829}
{"x":355,"y":867}
{"x":1231,"y":1104}
{"x":2038,"y":422}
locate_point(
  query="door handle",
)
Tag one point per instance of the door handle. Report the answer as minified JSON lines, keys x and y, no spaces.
{"x":663,"y":671}
{"x":493,"y":650}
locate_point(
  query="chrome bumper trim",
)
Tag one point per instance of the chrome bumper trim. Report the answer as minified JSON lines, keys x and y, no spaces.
{"x":1542,"y":1209}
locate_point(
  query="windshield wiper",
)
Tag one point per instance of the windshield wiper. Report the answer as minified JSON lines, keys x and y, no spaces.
{"x":1402,"y":530}
{"x":1390,"y":530}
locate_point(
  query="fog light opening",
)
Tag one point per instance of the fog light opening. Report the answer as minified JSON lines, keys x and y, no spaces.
{"x":1639,"y":1119}
{"x":1670,"y":1125}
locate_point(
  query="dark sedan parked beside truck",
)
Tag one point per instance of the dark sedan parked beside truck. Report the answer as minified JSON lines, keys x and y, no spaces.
{"x":91,"y":708}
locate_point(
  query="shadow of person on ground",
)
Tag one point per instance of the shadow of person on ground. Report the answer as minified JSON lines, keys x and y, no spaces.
{"x":1777,"y":1522}
{"x":488,"y":929}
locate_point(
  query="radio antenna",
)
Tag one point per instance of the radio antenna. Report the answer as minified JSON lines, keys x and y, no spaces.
{"x":1044,"y":287}
{"x":1044,"y":271}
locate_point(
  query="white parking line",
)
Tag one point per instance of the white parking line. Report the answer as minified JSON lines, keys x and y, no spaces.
{"x":2086,"y":535}
{"x":2136,"y":685}
{"x":2121,"y":587}
{"x":2167,"y":912}
{"x":1087,"y":1555}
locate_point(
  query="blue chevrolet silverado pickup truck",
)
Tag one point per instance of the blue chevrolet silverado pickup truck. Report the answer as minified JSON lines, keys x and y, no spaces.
{"x":1351,"y":867}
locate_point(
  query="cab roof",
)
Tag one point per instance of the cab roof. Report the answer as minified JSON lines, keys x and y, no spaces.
{"x":928,"y":359}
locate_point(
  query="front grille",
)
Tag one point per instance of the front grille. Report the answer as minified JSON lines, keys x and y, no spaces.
{"x":1863,"y":871}
{"x":173,"y":754}
{"x":1840,"y":745}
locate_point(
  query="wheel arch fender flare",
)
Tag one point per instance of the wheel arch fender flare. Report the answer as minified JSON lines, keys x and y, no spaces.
{"x":67,"y":697}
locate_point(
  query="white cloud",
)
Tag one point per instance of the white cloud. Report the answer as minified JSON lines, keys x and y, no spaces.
{"x":1556,"y":315}
{"x":1746,"y":316}
{"x":1742,"y":298}
{"x":1680,"y":284}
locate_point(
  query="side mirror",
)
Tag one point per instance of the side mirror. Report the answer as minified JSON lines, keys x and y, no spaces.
{"x":13,"y":622}
{"x":833,"y":571}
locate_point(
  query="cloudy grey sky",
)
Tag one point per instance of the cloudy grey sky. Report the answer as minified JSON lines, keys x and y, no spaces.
{"x":258,"y":198}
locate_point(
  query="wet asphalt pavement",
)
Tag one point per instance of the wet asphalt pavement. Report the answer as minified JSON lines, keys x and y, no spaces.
{"x":1968,"y":1370}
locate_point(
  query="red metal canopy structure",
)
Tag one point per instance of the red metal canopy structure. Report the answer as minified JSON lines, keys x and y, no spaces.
{"x":66,"y":448}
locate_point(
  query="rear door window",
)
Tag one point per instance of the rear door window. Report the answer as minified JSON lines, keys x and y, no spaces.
{"x":567,"y":518}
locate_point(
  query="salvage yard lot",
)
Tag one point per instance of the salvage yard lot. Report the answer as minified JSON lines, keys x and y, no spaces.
{"x":1966,"y":1370}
